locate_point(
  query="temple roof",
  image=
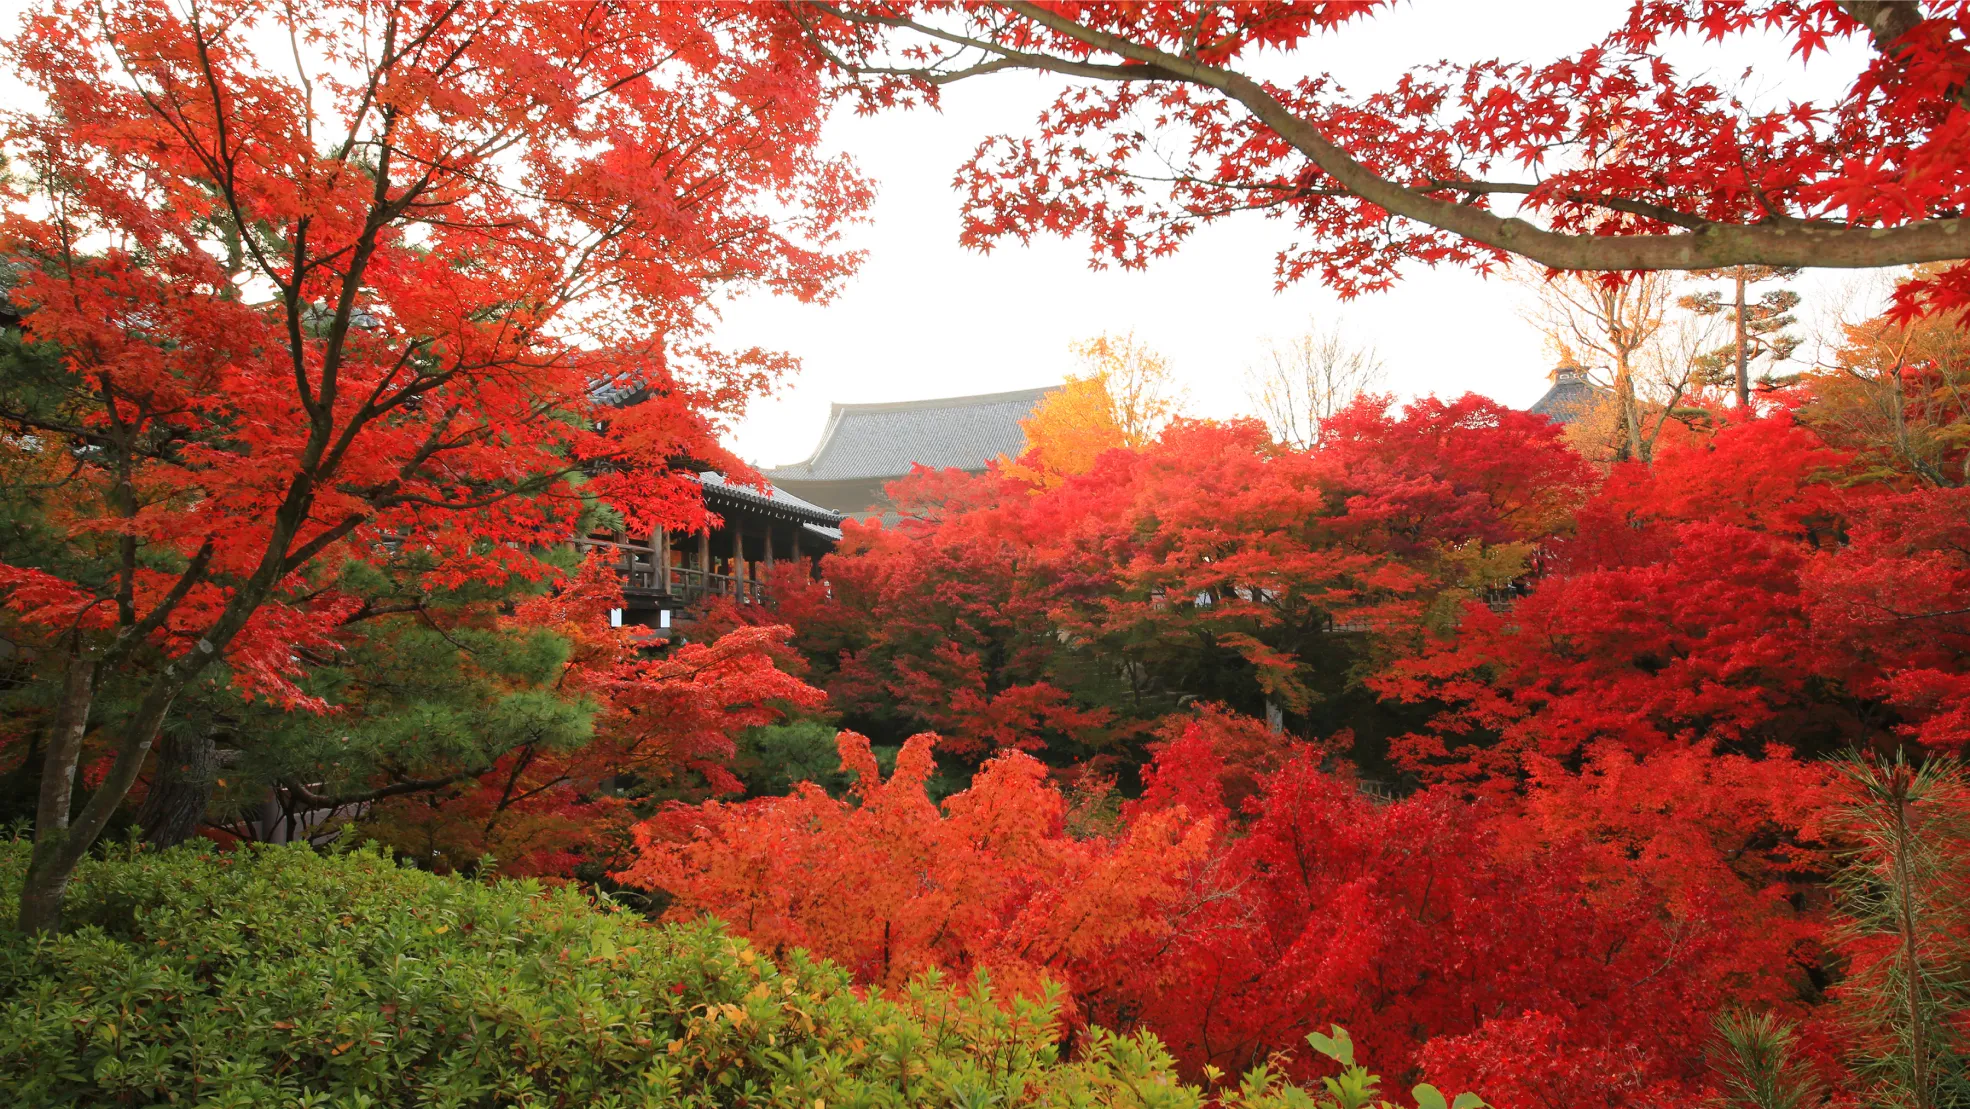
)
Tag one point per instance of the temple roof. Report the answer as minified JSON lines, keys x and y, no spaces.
{"x":617,"y":392}
{"x":775,"y":499}
{"x":884,"y":440}
{"x":1571,"y":397}
{"x":622,"y":392}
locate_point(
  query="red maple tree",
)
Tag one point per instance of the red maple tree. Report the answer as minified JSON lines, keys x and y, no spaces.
{"x":332,"y":280}
{"x":1743,"y":590}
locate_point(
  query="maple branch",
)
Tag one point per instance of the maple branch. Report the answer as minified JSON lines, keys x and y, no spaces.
{"x":218,"y":163}
{"x":129,"y":637}
{"x":301,"y":74}
{"x":506,"y":792}
{"x":1932,"y":615}
{"x":1659,"y":213}
{"x":1708,"y":246}
{"x":1008,"y":58}
{"x":1713,"y":245}
{"x":370,"y":610}
{"x":1887,"y":23}
{"x":300,"y":556}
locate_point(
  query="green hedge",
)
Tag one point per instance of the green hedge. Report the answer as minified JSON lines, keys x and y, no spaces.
{"x":279,"y":977}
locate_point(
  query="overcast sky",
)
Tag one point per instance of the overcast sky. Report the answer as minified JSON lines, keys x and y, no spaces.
{"x":925,"y":318}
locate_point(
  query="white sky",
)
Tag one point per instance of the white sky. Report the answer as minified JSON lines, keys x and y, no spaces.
{"x":925,"y":318}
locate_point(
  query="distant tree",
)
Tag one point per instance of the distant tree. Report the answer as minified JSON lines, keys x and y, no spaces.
{"x":939,"y":623}
{"x":1758,"y":327}
{"x":1142,"y":389}
{"x":1066,"y":432}
{"x":1746,"y":589}
{"x":1898,"y":393}
{"x":1301,"y":382}
{"x":1612,"y":317}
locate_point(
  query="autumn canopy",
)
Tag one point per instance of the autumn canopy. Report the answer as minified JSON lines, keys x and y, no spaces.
{"x":1610,"y":758}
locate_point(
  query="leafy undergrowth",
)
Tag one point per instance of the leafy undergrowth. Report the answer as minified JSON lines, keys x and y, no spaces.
{"x":279,"y":977}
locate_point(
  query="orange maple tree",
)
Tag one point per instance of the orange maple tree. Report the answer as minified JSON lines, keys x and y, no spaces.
{"x":1610,"y":921}
{"x":890,"y":884}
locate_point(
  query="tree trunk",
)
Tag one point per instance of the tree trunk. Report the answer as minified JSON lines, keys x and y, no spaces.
{"x":47,"y":879}
{"x":1909,"y":940}
{"x":1631,"y":412}
{"x":180,"y":788}
{"x":60,"y":846}
{"x":1743,"y":348}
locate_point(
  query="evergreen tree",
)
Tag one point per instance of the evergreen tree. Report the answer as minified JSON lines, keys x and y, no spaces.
{"x":1761,"y":1065}
{"x":1905,"y":893}
{"x":1758,"y":327}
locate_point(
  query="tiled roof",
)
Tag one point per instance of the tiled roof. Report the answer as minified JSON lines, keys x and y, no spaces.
{"x":1571,"y":397}
{"x":885,"y":440}
{"x":621,"y":392}
{"x":616,"y":392}
{"x":715,"y":486}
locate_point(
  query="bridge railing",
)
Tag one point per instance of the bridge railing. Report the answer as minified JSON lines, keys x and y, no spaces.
{"x":643,"y":574}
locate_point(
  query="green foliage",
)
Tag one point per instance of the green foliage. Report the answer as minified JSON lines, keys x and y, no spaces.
{"x":1904,"y":890}
{"x":1760,"y":1066}
{"x":278,"y":977}
{"x":773,"y":758}
{"x":414,"y":699}
{"x":1356,"y":1088}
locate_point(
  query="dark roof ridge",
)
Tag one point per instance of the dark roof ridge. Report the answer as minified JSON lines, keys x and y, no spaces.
{"x":1569,"y":398}
{"x":716,"y":484}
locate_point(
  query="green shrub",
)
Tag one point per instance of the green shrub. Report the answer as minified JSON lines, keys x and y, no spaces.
{"x":279,"y":977}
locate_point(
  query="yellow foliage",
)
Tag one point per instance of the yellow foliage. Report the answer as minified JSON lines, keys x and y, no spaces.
{"x":1067,"y":431}
{"x":1123,"y":400}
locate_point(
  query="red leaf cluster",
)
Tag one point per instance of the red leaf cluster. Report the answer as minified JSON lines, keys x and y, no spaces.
{"x":1738,"y":591}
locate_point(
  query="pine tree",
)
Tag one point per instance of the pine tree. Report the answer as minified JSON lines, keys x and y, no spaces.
{"x":1904,"y":890}
{"x":1758,"y":326}
{"x":1760,"y":1067}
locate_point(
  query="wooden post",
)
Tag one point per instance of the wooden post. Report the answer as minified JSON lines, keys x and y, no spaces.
{"x":704,"y":561}
{"x":769,"y":548}
{"x":660,"y":543}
